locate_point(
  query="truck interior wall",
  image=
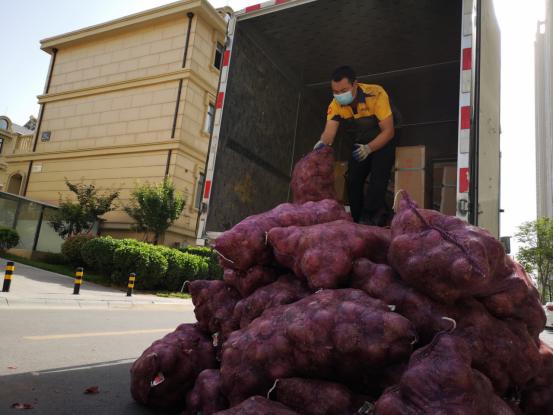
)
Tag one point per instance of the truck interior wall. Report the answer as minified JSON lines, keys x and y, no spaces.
{"x":257,"y":135}
{"x":279,"y":89}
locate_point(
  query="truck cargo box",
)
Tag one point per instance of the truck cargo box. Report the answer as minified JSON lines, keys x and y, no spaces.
{"x":275,"y":89}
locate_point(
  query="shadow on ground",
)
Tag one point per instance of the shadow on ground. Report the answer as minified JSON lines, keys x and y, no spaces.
{"x":61,"y":391}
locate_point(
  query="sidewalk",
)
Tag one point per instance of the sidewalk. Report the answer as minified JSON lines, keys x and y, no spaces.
{"x":36,"y":288}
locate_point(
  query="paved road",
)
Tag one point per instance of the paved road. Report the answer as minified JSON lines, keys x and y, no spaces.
{"x":49,"y":357}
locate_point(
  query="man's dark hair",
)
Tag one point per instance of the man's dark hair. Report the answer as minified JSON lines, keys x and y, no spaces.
{"x":344,"y":72}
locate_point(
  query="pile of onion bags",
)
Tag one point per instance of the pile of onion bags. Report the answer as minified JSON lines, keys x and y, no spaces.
{"x":246,"y":282}
{"x":323,"y":254}
{"x":256,"y":405}
{"x":246,"y":245}
{"x":285,"y":290}
{"x":440,"y":380}
{"x":536,"y":397}
{"x":429,"y":317}
{"x":164,"y":372}
{"x":206,"y":397}
{"x":316,"y":397}
{"x":313,"y":177}
{"x":380,"y":281}
{"x":443,"y":256}
{"x":341,"y":335}
{"x":214,"y":302}
{"x":518,"y":298}
{"x":501,"y":349}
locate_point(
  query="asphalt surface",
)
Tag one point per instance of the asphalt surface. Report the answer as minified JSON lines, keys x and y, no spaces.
{"x":50,"y":357}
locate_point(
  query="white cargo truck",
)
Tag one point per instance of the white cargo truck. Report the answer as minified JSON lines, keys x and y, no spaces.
{"x":439,"y":60}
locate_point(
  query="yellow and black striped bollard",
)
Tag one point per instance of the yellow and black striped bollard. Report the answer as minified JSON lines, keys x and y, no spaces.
{"x":78,"y":280}
{"x":10,"y":268}
{"x":131,"y":284}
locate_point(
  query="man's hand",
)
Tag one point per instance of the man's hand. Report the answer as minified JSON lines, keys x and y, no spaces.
{"x":361,"y":152}
{"x":319,"y":144}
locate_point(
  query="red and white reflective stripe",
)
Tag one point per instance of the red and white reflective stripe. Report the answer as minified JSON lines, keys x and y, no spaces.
{"x":464,"y":122}
{"x":463,"y":180}
{"x":255,"y":7}
{"x":207,"y":189}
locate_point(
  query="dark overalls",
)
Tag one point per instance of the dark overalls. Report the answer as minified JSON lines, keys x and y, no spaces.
{"x":377,"y":166}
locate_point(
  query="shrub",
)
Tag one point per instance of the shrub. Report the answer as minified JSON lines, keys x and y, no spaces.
{"x":157,"y":267}
{"x":144,"y":260}
{"x":211,"y":270}
{"x":9,"y":238}
{"x":98,"y":253}
{"x":71,"y":248}
{"x":202,"y":251}
{"x":180,"y":268}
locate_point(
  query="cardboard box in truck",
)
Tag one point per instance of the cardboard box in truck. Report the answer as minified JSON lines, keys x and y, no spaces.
{"x":439,"y":62}
{"x":444,"y":187}
{"x":409,"y":172}
{"x":448,"y":190}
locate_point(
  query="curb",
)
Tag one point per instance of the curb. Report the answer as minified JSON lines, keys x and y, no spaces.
{"x":45,"y":303}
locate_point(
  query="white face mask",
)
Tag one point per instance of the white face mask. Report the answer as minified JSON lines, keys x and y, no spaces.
{"x":345,"y":98}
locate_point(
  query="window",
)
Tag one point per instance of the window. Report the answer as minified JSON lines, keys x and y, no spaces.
{"x":1,"y":144}
{"x":219,"y":50}
{"x":3,"y":124}
{"x":199,"y":190}
{"x":209,"y":120}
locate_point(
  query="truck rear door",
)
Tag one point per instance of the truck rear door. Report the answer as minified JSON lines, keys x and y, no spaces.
{"x":487,"y":91}
{"x":479,"y":117}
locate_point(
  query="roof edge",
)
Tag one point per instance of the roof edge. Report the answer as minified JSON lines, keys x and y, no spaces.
{"x":202,"y":7}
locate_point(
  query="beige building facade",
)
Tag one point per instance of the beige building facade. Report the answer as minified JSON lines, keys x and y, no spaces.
{"x":126,"y":102}
{"x":14,"y":139}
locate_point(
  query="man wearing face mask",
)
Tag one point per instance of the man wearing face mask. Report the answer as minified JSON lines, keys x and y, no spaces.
{"x":366,"y":113}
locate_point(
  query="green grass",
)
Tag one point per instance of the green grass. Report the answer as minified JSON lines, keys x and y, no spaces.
{"x":173,"y":295}
{"x":58,"y":268}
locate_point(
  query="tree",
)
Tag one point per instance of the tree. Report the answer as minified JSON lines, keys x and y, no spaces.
{"x":536,"y":253}
{"x":73,"y":218}
{"x":155,"y":207}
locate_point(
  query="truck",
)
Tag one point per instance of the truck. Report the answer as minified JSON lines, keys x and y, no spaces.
{"x":438,"y":60}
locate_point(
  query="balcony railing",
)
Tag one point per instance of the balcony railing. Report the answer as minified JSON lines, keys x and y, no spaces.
{"x":23,"y":145}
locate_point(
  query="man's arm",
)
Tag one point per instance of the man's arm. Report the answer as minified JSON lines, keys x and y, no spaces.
{"x":386,"y":134}
{"x":330,"y":131}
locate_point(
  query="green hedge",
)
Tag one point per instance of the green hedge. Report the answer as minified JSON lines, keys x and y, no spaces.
{"x":214,"y":271}
{"x":147,"y":262}
{"x":9,"y":238}
{"x":156,"y":267}
{"x":202,"y":251}
{"x":71,"y":248}
{"x":98,"y":254}
{"x":182,"y":267}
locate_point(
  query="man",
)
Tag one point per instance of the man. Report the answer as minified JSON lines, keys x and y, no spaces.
{"x":366,"y":113}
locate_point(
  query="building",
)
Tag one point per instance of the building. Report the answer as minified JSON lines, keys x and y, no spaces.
{"x":127,"y":101}
{"x":14,"y":139}
{"x":543,"y":112}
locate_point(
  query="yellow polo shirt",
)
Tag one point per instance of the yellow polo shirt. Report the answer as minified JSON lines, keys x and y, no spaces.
{"x":372,"y":100}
